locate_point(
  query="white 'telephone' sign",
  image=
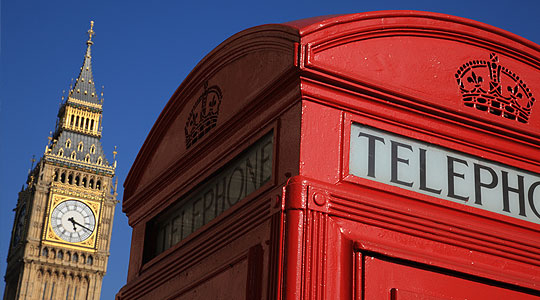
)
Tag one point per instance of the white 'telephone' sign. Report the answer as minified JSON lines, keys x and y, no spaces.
{"x":436,"y":171}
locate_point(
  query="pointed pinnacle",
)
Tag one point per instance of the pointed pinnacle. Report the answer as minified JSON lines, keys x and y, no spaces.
{"x":90,"y":33}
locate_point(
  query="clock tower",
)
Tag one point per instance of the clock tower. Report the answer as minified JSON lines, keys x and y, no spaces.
{"x":63,"y":219}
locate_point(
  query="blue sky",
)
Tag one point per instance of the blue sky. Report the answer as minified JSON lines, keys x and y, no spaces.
{"x":142,"y":52}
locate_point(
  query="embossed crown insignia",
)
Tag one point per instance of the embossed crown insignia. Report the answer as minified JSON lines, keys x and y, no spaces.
{"x":503,"y":94}
{"x":203,"y":115}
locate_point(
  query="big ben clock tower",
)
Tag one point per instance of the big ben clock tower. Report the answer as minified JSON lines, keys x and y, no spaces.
{"x":63,"y":219}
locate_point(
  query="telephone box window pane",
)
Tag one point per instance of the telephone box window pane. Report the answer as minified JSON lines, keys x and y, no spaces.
{"x":176,"y":230}
{"x":159,"y":241}
{"x":167,"y":236}
{"x":239,"y":178}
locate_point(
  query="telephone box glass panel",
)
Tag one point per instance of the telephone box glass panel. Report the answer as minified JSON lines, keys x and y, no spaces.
{"x":238,"y":179}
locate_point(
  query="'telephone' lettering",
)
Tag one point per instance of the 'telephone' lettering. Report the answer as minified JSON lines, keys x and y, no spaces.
{"x":418,"y":166}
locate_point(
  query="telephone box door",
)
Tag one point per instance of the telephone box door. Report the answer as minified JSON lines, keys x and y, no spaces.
{"x":398,"y":280}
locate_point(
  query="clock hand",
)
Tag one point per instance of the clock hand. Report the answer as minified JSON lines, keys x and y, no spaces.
{"x":75,"y":222}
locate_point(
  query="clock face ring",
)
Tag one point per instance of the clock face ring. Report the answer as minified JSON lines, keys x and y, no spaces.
{"x":73,"y":221}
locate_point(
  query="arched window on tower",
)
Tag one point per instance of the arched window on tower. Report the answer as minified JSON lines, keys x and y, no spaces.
{"x":45,"y":252}
{"x":98,"y":184}
{"x":87,"y":158}
{"x":61,"y":152}
{"x":84,"y":181}
{"x":75,"y":257}
{"x":80,"y":147}
{"x":44,"y":289}
{"x":86,"y":124}
{"x":63,"y":177}
{"x":90,"y":260}
{"x":91,"y":183}
{"x":92,"y":124}
{"x":60,"y":255}
{"x":56,"y":175}
{"x":73,"y":155}
{"x":93,"y":149}
{"x":77,"y":122}
{"x":99,"y":160}
{"x":70,"y":178}
{"x":72,"y":121}
{"x":68,"y":143}
{"x":77,"y":180}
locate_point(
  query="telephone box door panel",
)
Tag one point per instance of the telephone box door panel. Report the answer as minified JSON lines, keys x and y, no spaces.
{"x":397,"y":280}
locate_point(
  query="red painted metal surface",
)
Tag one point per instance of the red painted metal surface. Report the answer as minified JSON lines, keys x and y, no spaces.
{"x":314,"y":230}
{"x":389,"y":280}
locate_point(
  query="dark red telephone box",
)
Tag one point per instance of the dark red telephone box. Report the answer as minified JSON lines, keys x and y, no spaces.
{"x":384,"y":155}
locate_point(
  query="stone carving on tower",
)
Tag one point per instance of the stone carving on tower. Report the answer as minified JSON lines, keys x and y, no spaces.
{"x":63,"y":219}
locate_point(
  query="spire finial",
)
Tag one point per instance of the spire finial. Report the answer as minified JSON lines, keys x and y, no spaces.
{"x":114,"y":157}
{"x":90,"y":33}
{"x":33,"y":160}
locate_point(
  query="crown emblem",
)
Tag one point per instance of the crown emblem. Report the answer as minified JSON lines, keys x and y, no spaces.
{"x":503,"y":94}
{"x":203,"y":115}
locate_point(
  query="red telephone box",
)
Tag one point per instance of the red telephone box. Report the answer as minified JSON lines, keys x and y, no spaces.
{"x":384,"y":155}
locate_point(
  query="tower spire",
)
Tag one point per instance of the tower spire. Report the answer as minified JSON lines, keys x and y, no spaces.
{"x":78,"y":127}
{"x":85,"y":89}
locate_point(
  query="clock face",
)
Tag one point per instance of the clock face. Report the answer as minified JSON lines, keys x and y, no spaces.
{"x":19,"y":227}
{"x":73,"y":221}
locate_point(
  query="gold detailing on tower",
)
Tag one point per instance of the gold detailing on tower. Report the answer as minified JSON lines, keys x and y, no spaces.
{"x":47,"y":148}
{"x":81,"y":119}
{"x":51,"y":238}
{"x":81,"y":164}
{"x":89,"y":104}
{"x":114,"y":157}
{"x":90,"y":33}
{"x":70,"y":190}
